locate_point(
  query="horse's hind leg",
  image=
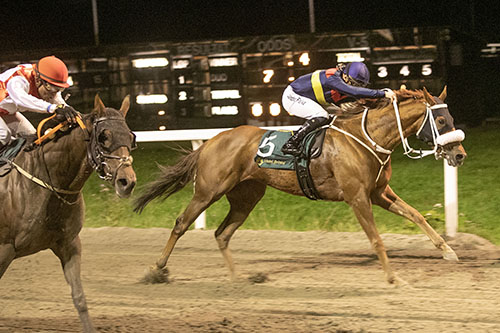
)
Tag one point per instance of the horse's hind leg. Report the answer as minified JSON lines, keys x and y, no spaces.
{"x":7,"y":254}
{"x":69,"y":254}
{"x":242,"y":199}
{"x":196,"y":206}
{"x":391,"y":202}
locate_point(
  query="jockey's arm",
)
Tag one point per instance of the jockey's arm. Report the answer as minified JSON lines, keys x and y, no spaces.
{"x":18,"y":88}
{"x":336,"y":83}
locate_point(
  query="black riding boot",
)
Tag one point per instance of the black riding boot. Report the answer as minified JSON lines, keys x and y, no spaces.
{"x":292,"y":146}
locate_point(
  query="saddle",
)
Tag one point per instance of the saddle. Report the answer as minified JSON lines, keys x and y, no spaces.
{"x":8,"y":153}
{"x":269,"y":156}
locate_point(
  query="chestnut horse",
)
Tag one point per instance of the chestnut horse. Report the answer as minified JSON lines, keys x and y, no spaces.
{"x":354,"y":167}
{"x":42,"y":203}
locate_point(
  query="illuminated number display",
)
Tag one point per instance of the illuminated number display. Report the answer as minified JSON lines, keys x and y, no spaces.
{"x":267,"y":75}
{"x":405,"y":71}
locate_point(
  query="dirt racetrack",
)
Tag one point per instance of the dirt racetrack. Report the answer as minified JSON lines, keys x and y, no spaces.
{"x":313,"y":282}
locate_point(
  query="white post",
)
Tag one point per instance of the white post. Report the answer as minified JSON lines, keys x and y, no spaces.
{"x":450,"y":199}
{"x":200,"y":222}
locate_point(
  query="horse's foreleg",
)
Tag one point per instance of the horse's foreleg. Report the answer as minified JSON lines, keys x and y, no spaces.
{"x":363,"y":210}
{"x":69,"y":254}
{"x":393,"y":203}
{"x":242,"y":199}
{"x":7,"y":254}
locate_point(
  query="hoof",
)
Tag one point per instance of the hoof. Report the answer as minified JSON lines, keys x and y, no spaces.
{"x":398,"y":282}
{"x":155,"y":275}
{"x":450,"y":255}
{"x":258,"y":278}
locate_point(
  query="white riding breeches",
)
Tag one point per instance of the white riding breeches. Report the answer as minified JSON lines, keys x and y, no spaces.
{"x":301,"y":106}
{"x":13,"y":124}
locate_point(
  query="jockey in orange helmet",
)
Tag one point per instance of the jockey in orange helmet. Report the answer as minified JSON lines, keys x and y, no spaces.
{"x":36,"y":88}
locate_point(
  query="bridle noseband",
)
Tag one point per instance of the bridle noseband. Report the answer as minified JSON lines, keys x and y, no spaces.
{"x":97,"y":155}
{"x":438,"y":140}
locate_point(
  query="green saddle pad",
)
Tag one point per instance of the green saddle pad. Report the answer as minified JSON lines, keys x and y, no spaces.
{"x":269,"y":153}
{"x":8,"y":153}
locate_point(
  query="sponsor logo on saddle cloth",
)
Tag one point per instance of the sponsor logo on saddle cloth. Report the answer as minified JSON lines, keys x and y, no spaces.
{"x":269,"y":153}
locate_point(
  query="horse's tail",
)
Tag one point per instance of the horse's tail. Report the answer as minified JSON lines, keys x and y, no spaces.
{"x":171,"y":179}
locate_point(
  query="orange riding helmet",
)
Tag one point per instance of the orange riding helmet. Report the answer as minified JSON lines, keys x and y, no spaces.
{"x":53,"y":71}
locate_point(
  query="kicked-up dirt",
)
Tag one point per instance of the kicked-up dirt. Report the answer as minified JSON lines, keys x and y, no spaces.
{"x":289,"y":282}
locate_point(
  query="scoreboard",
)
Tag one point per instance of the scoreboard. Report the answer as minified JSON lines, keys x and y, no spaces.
{"x":240,"y":81}
{"x":225,"y":83}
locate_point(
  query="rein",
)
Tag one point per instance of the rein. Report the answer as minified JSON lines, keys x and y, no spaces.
{"x":39,"y":141}
{"x":96,"y":157}
{"x":382,"y":162}
{"x":55,"y":129}
{"x":46,"y":185}
{"x":437,"y":139}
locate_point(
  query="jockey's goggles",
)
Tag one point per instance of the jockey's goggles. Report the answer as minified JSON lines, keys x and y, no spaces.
{"x":51,"y":88}
{"x":355,"y":83}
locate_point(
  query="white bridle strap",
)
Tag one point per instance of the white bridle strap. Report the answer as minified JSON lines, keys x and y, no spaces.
{"x":408,"y":150}
{"x":382,"y":162}
{"x":378,"y":148}
{"x":438,"y":106}
{"x":441,"y":140}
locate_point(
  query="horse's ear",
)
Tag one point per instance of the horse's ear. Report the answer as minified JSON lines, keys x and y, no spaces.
{"x":98,"y":106}
{"x":428,"y":97}
{"x":125,"y":106}
{"x":443,"y":94}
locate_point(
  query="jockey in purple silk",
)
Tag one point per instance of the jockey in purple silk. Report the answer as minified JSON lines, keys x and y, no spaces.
{"x":306,"y":97}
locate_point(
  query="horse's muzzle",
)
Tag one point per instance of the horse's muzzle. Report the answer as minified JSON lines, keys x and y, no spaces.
{"x":454,"y":154}
{"x":125,"y":184}
{"x":450,"y":147}
{"x":125,"y":178}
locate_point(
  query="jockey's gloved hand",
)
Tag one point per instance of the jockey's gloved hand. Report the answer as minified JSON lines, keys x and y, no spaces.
{"x":66,"y":112}
{"x":390,"y":94}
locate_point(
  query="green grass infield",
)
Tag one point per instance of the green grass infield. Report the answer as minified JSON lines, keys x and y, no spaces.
{"x":418,"y":182}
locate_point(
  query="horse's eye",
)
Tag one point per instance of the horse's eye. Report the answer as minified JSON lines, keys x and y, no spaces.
{"x":102,"y":137}
{"x":441,"y":121}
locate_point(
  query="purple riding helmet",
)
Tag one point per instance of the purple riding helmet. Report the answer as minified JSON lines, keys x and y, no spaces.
{"x":357,"y":73}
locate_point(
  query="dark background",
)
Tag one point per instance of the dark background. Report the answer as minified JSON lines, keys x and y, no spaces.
{"x":68,"y":23}
{"x":474,"y":87}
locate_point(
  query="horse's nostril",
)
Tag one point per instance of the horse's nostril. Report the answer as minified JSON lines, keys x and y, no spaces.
{"x":459,"y":157}
{"x":122,"y":182}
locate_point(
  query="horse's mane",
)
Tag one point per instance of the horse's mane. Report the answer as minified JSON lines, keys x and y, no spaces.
{"x":358,"y":106}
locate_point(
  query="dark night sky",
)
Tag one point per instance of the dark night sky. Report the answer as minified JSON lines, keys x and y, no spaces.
{"x":67,"y":23}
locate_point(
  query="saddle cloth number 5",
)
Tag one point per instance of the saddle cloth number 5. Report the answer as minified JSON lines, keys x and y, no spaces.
{"x":267,"y":143}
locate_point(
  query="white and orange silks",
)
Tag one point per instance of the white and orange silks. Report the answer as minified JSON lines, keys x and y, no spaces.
{"x":19,"y":93}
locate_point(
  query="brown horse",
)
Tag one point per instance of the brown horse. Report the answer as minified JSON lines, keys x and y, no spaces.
{"x":42,"y":204}
{"x":354,"y":167}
